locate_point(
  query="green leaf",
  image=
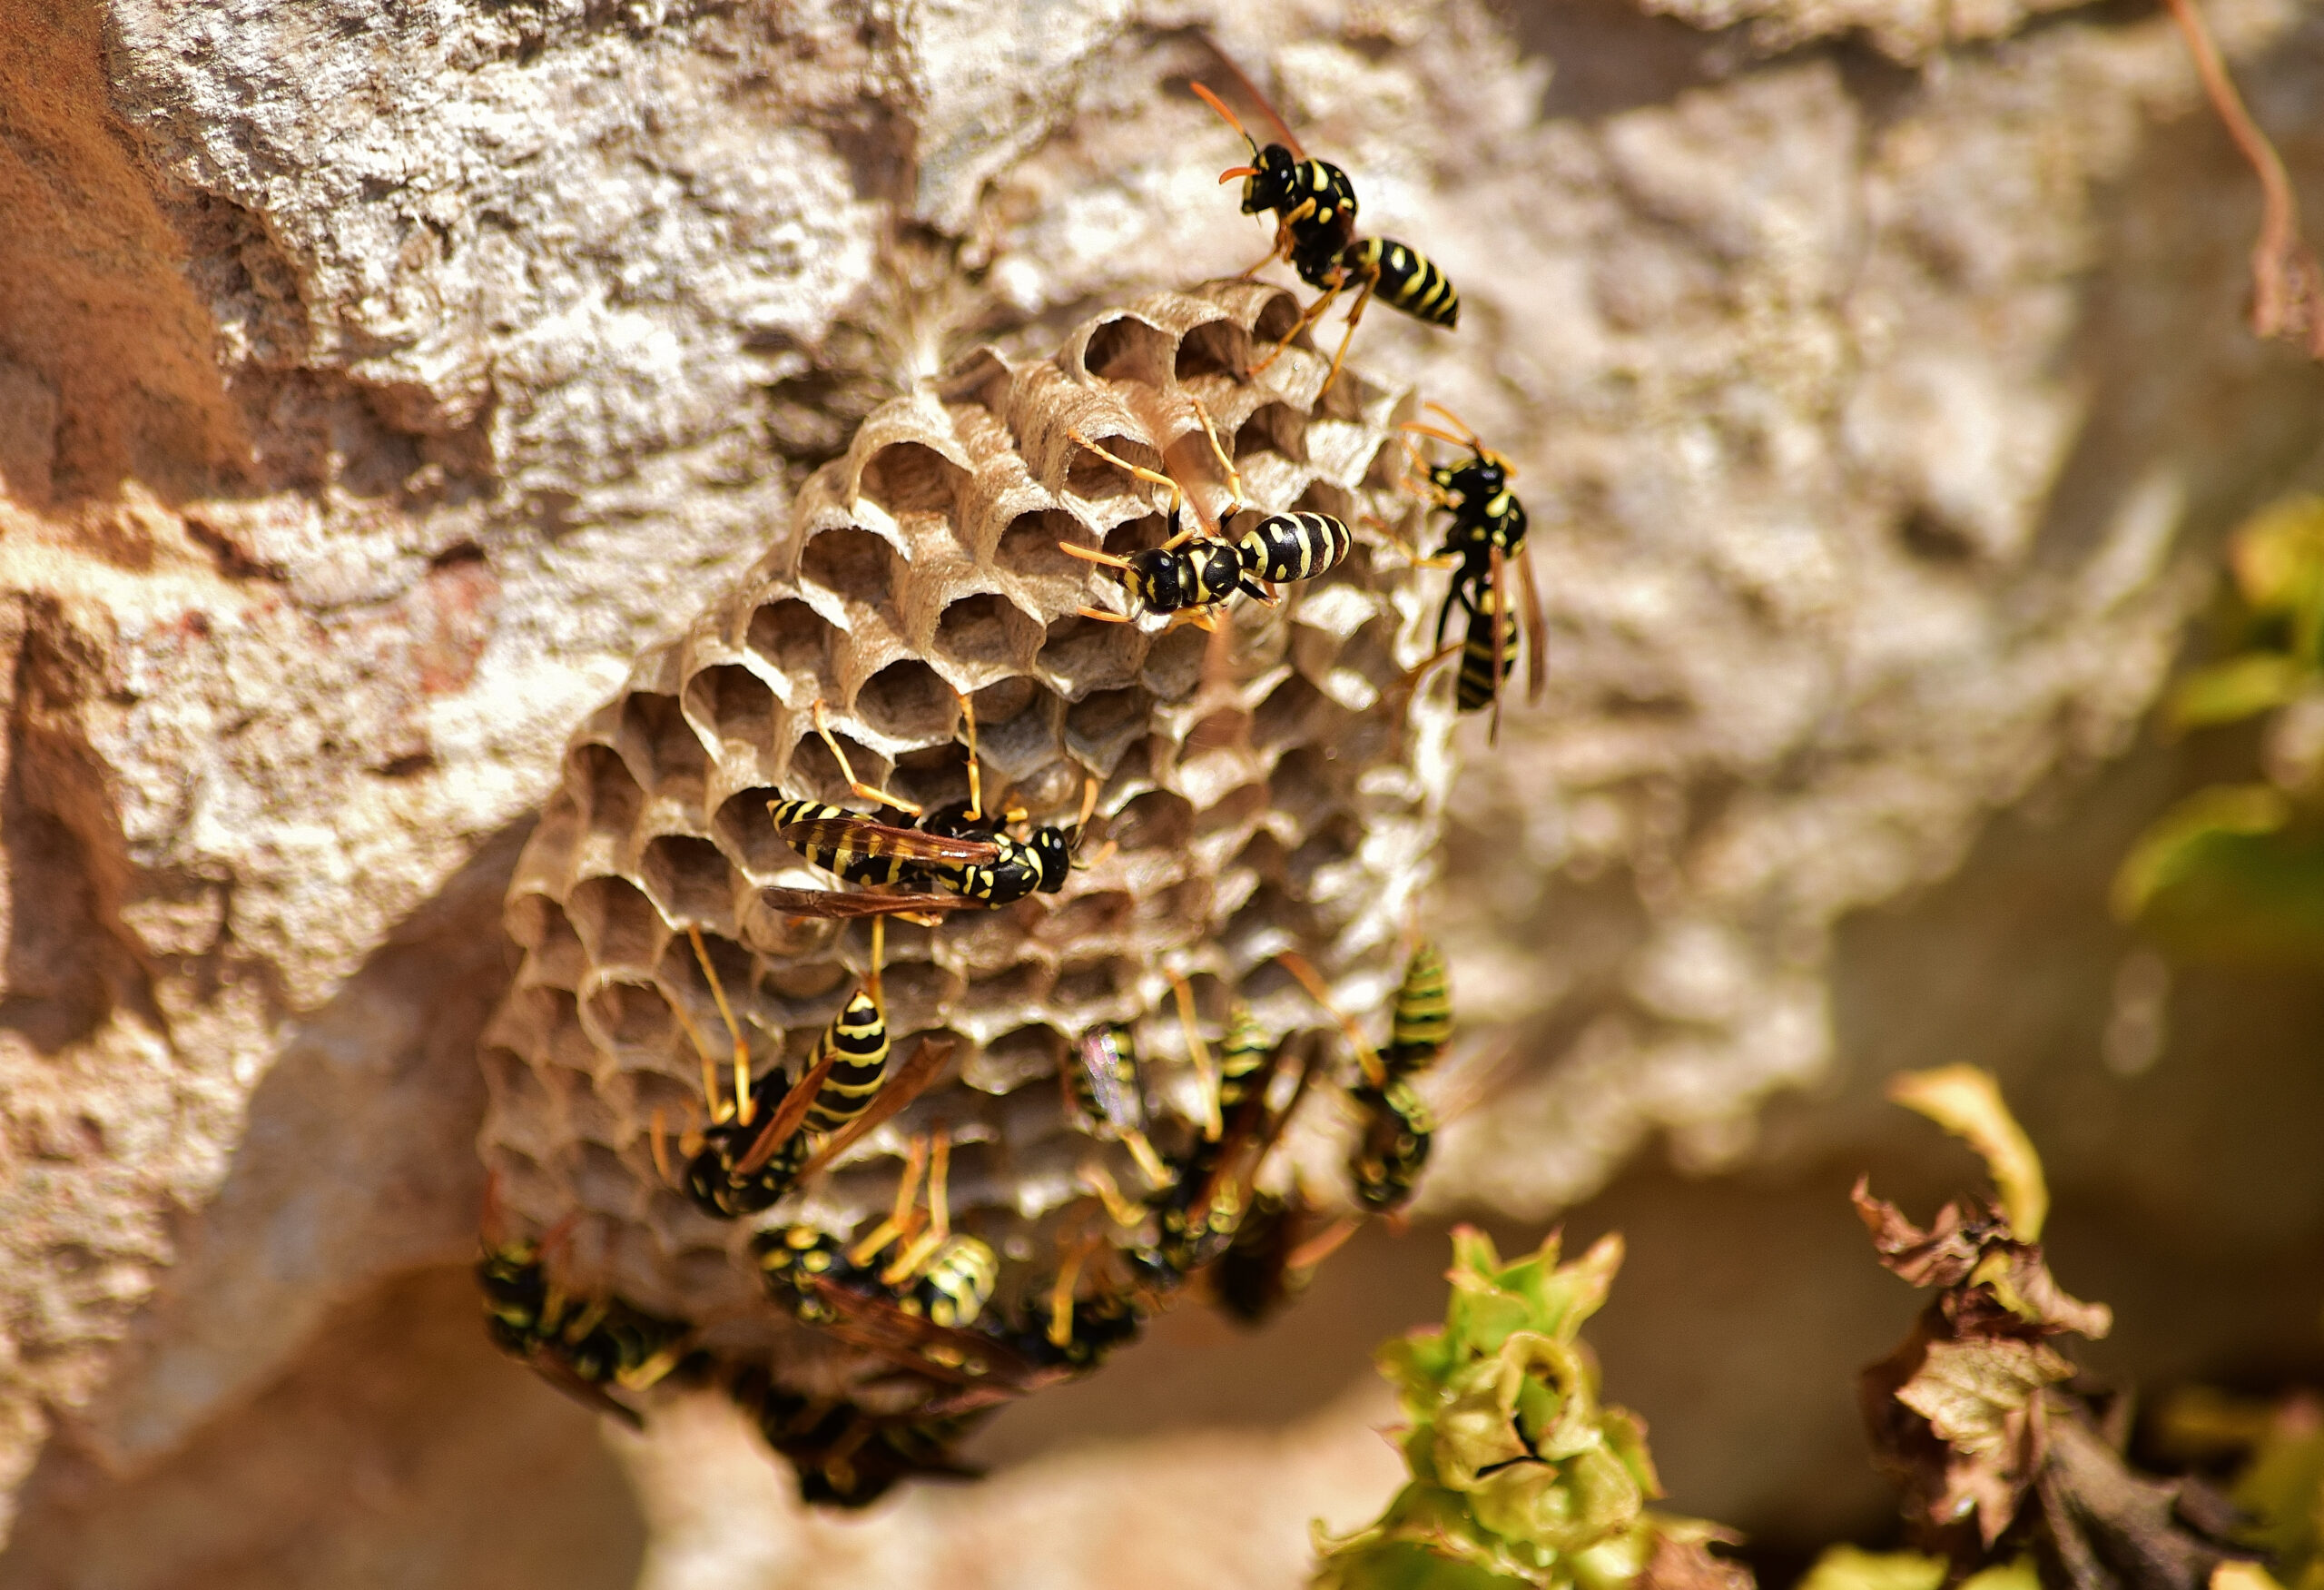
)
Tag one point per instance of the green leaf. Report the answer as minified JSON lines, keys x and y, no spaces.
{"x":1844,"y":1568}
{"x":2238,"y":689}
{"x":2184,"y":840}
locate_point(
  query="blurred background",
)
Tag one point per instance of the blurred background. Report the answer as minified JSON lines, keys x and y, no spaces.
{"x":376,"y":381}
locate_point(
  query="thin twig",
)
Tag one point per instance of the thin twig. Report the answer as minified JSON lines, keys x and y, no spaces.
{"x":2286,"y":286}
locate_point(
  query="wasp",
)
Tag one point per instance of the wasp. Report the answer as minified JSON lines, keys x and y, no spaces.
{"x":1398,"y":1126}
{"x":1315,"y":206}
{"x":776,"y":1132}
{"x":1103,"y":1088}
{"x":1192,"y":574}
{"x":1196,"y":1217}
{"x":587,"y":1348}
{"x":1485,"y":536}
{"x":960,"y":850}
{"x":926,"y":1310}
{"x":844,"y":1455}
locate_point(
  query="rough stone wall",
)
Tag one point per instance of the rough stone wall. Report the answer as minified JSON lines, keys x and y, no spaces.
{"x":376,"y":380}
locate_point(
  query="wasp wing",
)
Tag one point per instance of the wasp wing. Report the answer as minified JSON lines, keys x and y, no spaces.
{"x":912,"y":1079}
{"x":866,"y":837}
{"x":964,"y":1358}
{"x":1118,"y":1097}
{"x":838,"y":904}
{"x":1537,"y":656}
{"x":783,"y":1124}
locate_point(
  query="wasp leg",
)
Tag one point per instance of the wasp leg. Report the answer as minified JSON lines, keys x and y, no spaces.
{"x":742,"y":1103}
{"x":976,"y":780}
{"x":1307,"y":317}
{"x":1139,"y":471}
{"x":1198,"y":1055}
{"x":1149,"y":1163}
{"x":712,"y":1100}
{"x":1410,"y":554}
{"x":1354,"y":317}
{"x":1293,"y":961}
{"x":1235,"y":501}
{"x":661,"y":1150}
{"x":1323,"y":1245}
{"x":1062,"y":1296}
{"x":1096,"y":1179}
{"x":916,"y":1252}
{"x":870,"y":792}
{"x":899,"y":1222}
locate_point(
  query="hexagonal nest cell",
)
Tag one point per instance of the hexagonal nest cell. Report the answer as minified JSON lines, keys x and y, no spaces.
{"x":1239,"y":809}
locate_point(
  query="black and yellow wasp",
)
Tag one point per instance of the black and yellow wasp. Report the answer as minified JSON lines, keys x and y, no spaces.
{"x":845,"y":1455}
{"x":1397,"y":1124}
{"x":1484,"y":538}
{"x":588,"y":1347}
{"x":1314,"y":207}
{"x":776,"y":1132}
{"x":1195,"y":1217}
{"x":958,"y":855}
{"x":1193,"y":575}
{"x":927,"y":1309}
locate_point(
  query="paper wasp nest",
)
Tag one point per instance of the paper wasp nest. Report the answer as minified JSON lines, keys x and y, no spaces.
{"x":1278,"y":786}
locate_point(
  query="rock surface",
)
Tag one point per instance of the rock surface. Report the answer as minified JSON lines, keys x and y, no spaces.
{"x":379,"y":380}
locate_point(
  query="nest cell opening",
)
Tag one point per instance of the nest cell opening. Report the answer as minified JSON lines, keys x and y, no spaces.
{"x":1084,"y":655}
{"x":1128,"y":349}
{"x":988,"y":630}
{"x":918,"y":994}
{"x":1014,"y":1058}
{"x":1238,"y":808}
{"x":1292,"y":713}
{"x":618,"y":922}
{"x":656,"y":733}
{"x":687,"y":878}
{"x":1268,"y":921}
{"x":1012,"y":987}
{"x":1276,"y":318}
{"x":1159,"y":819}
{"x":906,"y":701}
{"x":734,"y":702}
{"x":1096,"y":988}
{"x":1137,"y":535}
{"x":634,"y":1020}
{"x":909,"y":477}
{"x":1028,"y":546}
{"x":1322,"y":497}
{"x":852,"y":564}
{"x":1272,"y":427}
{"x":1102,"y":915}
{"x":744,"y":828}
{"x":1103,"y":724}
{"x":815,"y":771}
{"x":540,"y":925}
{"x":793,"y":637}
{"x":1214,"y":348}
{"x":609,"y":793}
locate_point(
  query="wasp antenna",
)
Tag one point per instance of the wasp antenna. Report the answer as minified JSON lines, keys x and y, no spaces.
{"x":1089,"y":802}
{"x":742,"y":1101}
{"x":1293,"y":961}
{"x":1139,"y":471}
{"x":870,"y":792}
{"x":1103,"y":617}
{"x":915,"y":1253}
{"x":1091,"y":555}
{"x":1261,"y":99}
{"x":1203,"y":94}
{"x":879,"y":960}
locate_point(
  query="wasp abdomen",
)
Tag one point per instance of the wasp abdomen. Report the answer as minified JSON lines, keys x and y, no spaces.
{"x":1478,"y":681}
{"x":860,"y":1039}
{"x":844,"y":860}
{"x":957,"y":1283}
{"x":1407,"y":278}
{"x":1285,"y":546}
